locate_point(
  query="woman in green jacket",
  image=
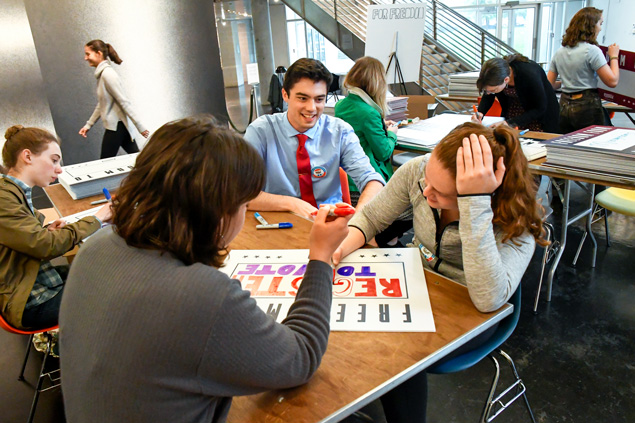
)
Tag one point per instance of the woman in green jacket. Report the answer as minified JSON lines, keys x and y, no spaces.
{"x":30,"y":287}
{"x":364,"y":109}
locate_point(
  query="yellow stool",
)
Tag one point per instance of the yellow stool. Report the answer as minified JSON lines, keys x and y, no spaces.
{"x":618,"y":200}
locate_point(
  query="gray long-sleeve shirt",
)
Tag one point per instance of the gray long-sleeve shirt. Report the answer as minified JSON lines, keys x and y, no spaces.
{"x":112,"y":104}
{"x":470,"y":251}
{"x":145,"y":338}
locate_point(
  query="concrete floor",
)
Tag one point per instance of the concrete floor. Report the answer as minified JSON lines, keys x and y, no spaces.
{"x":576,"y":356}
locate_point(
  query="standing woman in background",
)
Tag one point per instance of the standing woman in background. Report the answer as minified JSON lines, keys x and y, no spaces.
{"x":580,"y":62}
{"x":112,"y":105}
{"x":527,"y":99}
{"x":364,"y":109}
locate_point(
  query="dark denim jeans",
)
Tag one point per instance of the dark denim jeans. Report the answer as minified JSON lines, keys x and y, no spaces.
{"x":46,"y":315}
{"x":581,"y":112}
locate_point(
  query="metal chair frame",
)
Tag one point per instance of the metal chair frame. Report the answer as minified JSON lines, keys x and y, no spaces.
{"x":53,"y":376}
{"x":495,"y":406}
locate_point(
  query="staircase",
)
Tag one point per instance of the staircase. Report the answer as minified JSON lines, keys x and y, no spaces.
{"x":451,"y":43}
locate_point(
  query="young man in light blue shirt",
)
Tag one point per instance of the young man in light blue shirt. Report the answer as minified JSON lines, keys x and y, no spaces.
{"x":330,"y":144}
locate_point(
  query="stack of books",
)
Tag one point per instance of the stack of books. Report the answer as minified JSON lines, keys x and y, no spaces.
{"x":463,"y":84}
{"x":397,"y":108}
{"x":603,"y":149}
{"x":428,"y":132}
{"x":90,"y":178}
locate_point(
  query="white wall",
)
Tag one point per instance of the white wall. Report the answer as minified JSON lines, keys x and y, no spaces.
{"x":619,"y":22}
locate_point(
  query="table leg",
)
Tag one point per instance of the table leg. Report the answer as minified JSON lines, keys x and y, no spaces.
{"x":563,"y":236}
{"x":589,"y":222}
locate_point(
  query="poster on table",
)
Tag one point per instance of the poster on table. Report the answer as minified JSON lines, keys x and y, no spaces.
{"x":396,"y":28}
{"x":624,"y":93}
{"x":374,"y":290}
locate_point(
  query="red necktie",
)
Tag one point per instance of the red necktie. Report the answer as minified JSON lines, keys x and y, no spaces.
{"x":304,"y":171}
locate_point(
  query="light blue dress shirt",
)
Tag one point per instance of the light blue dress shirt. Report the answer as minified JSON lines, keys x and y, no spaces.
{"x":332,"y":143}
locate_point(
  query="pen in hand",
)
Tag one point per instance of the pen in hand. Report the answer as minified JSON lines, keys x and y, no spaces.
{"x":476,"y":114}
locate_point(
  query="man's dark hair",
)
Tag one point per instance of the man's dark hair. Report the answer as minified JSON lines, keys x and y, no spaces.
{"x":306,"y":68}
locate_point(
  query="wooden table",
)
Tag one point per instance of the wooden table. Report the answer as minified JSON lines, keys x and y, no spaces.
{"x":359,"y":366}
{"x":64,"y":203}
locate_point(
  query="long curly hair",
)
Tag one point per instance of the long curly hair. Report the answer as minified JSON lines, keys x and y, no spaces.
{"x":582,"y":27}
{"x":514,"y":201}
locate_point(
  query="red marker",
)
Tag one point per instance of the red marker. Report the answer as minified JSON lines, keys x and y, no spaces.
{"x":338,"y":211}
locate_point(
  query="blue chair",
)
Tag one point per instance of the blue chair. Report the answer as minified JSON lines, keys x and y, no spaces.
{"x":470,"y":358}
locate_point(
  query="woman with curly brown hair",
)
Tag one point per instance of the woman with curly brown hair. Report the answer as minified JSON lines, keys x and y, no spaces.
{"x":476,"y":221}
{"x":580,"y":63}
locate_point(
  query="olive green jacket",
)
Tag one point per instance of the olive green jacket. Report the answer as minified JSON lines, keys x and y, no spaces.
{"x":368,"y":123}
{"x":24,"y":243}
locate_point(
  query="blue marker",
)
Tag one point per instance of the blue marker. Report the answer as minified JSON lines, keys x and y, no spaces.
{"x":260,"y":219}
{"x":107,"y":195}
{"x":523,"y":132}
{"x":281,"y":225}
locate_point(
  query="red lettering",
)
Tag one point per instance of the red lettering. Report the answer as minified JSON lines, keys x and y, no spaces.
{"x":273,"y":288}
{"x":296,"y":285}
{"x":369,"y":285}
{"x":392,"y":288}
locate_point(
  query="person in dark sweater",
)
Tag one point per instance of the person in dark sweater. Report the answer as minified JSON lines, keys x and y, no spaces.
{"x":150,"y":329}
{"x":526,"y":96}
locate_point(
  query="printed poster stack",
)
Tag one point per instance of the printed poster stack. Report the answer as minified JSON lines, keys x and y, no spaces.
{"x":90,"y":178}
{"x":397,"y":108}
{"x":601,"y":149}
{"x":463,"y":84}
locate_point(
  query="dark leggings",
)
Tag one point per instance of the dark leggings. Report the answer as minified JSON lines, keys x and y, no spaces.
{"x":408,"y":402}
{"x":115,"y":139}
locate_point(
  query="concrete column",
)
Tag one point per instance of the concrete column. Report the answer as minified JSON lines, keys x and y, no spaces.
{"x":171,"y":62}
{"x":264,"y":45}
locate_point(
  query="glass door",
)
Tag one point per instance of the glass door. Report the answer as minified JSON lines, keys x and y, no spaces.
{"x":518,"y":27}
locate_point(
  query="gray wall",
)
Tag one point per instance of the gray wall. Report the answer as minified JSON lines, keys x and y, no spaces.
{"x":171,"y":62}
{"x":22,"y":96}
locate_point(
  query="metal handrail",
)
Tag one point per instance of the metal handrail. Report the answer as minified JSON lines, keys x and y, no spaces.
{"x":459,"y":38}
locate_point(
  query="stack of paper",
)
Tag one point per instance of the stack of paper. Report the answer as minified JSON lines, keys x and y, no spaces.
{"x":604,"y":149}
{"x":533,"y":149}
{"x":463,"y":84}
{"x":428,"y":132}
{"x":397,"y":108}
{"x":90,"y":178}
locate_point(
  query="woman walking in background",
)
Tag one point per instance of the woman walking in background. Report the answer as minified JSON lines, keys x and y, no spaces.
{"x":112,"y":105}
{"x":580,"y":63}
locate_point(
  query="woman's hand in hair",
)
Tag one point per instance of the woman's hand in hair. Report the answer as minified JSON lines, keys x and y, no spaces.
{"x":475,"y":172}
{"x":84,"y":131}
{"x":326,"y":235}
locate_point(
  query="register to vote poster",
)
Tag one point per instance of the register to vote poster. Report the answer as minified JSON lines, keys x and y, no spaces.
{"x":624,"y":93}
{"x":380,"y":290}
